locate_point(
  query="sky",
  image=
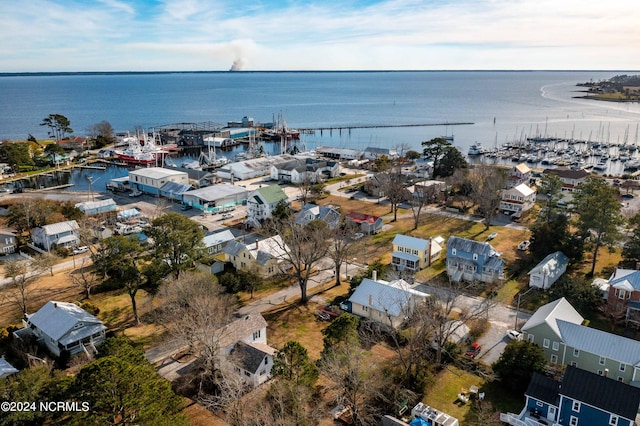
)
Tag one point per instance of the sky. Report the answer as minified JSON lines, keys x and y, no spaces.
{"x":260,"y":35}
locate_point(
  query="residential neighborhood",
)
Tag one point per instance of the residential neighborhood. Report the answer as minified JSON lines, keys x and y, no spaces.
{"x":313,"y":253}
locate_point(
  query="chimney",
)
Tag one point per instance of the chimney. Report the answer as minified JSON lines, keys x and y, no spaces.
{"x":55,"y":304}
{"x":374,"y":276}
{"x":256,"y":244}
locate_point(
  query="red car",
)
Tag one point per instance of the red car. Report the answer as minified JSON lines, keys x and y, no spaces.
{"x":473,"y":350}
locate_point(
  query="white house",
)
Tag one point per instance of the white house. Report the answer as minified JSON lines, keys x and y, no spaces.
{"x":517,"y":200}
{"x":547,"y":272}
{"x":518,"y":175}
{"x":373,"y":153}
{"x":62,"y":234}
{"x":8,"y":241}
{"x":266,"y":257}
{"x":64,"y":326}
{"x":304,"y":169}
{"x":150,"y":180}
{"x":261,"y":203}
{"x":390,"y":303}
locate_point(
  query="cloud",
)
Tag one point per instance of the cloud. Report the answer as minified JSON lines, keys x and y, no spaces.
{"x":361,"y":34}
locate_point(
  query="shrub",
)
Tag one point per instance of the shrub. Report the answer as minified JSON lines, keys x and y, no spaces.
{"x":90,"y":307}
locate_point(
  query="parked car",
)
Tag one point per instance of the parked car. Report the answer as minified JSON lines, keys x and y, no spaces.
{"x":524,"y":245}
{"x":473,"y":350}
{"x":226,"y":216}
{"x":513,"y":334}
{"x":627,"y":196}
{"x":492,"y":236}
{"x":185,"y":207}
{"x":80,"y":250}
{"x":358,"y":235}
{"x":135,"y":193}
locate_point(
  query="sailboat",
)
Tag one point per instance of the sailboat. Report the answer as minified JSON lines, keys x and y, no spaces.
{"x":210,"y":159}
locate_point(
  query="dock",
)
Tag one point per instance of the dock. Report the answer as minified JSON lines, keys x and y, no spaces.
{"x":312,"y":130}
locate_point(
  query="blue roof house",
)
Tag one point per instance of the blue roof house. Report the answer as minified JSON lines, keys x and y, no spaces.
{"x":582,"y":398}
{"x":469,"y":260}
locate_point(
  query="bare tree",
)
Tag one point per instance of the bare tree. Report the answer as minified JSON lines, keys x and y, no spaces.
{"x":341,"y":245}
{"x":487,"y":183}
{"x":46,"y":261}
{"x":85,"y":277}
{"x":22,"y":273}
{"x":392,"y":183}
{"x":422,"y":196}
{"x":231,"y":387}
{"x":196,"y":312}
{"x":302,"y":247}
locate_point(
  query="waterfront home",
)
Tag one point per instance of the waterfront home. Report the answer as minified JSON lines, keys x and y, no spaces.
{"x":517,"y":200}
{"x":414,"y":254}
{"x":261,"y":203}
{"x":373,"y":153}
{"x":580,"y":398}
{"x":265,"y":257}
{"x":547,"y":272}
{"x":97,"y":207}
{"x":570,"y":178}
{"x":469,"y":260}
{"x":368,"y":224}
{"x":215,"y":198}
{"x":518,"y":175}
{"x":302,"y":170}
{"x":62,"y":326}
{"x":389,"y":303}
{"x":61,"y":234}
{"x":152,"y":179}
{"x":426,"y":190}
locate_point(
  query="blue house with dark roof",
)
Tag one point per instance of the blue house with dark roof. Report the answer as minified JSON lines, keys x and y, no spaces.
{"x":580,"y":399}
{"x":469,"y":260}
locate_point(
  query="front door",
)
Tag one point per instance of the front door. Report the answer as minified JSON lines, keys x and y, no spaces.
{"x":551,"y":414}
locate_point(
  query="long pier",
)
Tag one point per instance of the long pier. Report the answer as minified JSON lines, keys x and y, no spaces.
{"x":311,"y":130}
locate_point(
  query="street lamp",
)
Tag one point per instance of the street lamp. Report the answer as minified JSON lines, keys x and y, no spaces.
{"x":518,"y":308}
{"x":90,"y":179}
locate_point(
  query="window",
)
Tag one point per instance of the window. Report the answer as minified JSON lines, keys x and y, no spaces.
{"x":576,"y":406}
{"x":602,"y":360}
{"x":576,"y":353}
{"x":453,"y":251}
{"x":545,"y":343}
{"x":613,"y":420}
{"x":554,"y":359}
{"x":573,"y":421}
{"x":620,"y":379}
{"x":556,"y":346}
{"x":600,"y":373}
{"x":573,"y":363}
{"x":530,"y":337}
{"x":475,"y":256}
{"x":256,"y":334}
{"x":622,"y":366}
{"x":539,"y":403}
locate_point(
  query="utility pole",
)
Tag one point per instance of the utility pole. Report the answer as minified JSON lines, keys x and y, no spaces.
{"x":518,"y":307}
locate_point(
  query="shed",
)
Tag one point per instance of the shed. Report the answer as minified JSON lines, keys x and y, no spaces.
{"x":128,"y":214}
{"x":547,"y":272}
{"x":97,"y":207}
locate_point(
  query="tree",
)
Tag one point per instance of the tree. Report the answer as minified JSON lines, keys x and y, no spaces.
{"x":22,"y":274}
{"x":292,"y":363}
{"x":196,"y":311}
{"x":434,"y":150}
{"x":487,"y":183}
{"x":17,"y":155}
{"x":579,"y":292}
{"x":598,"y":214}
{"x":45,"y":261}
{"x":551,"y":187}
{"x":551,"y":233}
{"x":631,"y":248}
{"x":422,"y":196}
{"x":101,"y":133}
{"x":341,"y":246}
{"x":302,"y":247}
{"x":119,"y":259}
{"x":178,"y":240}
{"x":413,"y":155}
{"x":343,"y":330}
{"x":517,"y":363}
{"x":392,"y":183}
{"x":53,"y":150}
{"x":126,"y":392}
{"x":58,"y":124}
{"x":85,"y":277}
{"x":452,"y":160}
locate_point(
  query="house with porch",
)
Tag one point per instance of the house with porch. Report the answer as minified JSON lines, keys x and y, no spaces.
{"x":62,"y":326}
{"x":518,"y":175}
{"x":547,"y":272}
{"x":414,"y":254}
{"x":580,"y":398}
{"x":61,"y":234}
{"x":517,"y":200}
{"x":469,"y":260}
{"x":389,"y":303}
{"x":261,"y":203}
{"x":570,"y":178}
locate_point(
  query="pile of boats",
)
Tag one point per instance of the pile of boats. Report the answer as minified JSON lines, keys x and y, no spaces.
{"x":576,"y":154}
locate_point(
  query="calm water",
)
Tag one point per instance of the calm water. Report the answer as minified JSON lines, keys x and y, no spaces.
{"x":502,"y":105}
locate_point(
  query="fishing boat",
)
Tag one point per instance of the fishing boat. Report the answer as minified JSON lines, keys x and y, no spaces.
{"x":141,"y":152}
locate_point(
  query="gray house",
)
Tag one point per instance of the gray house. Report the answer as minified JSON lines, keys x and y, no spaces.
{"x":547,"y":272}
{"x":63,"y":234}
{"x":8,"y":241}
{"x":469,"y":260}
{"x":311,"y":212}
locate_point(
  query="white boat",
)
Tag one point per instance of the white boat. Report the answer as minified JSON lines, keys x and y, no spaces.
{"x":476,"y":149}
